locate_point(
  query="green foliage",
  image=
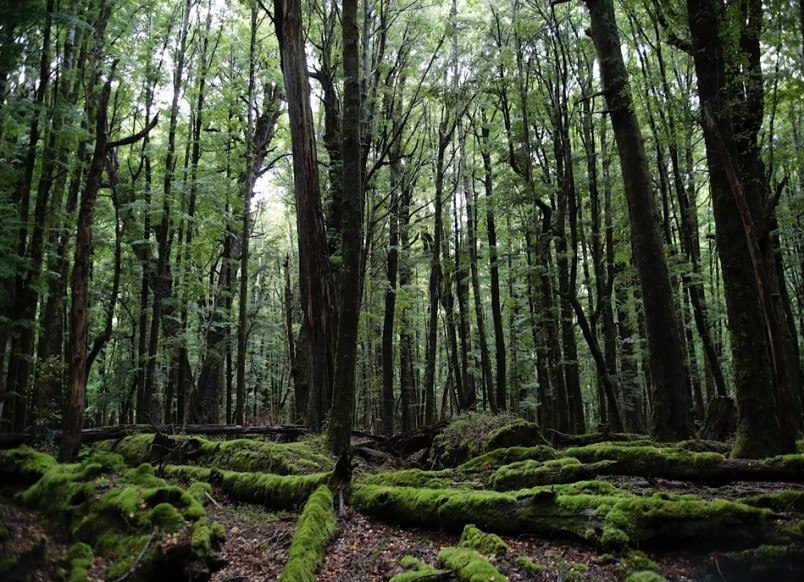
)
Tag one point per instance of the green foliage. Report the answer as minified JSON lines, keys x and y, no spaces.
{"x":316,"y":525}
{"x":505,"y":456}
{"x":24,"y":464}
{"x":412,"y":478}
{"x":529,"y":565}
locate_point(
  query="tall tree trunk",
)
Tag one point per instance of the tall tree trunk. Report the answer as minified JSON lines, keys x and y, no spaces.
{"x":343,"y":393}
{"x":671,"y":418}
{"x":314,"y":270}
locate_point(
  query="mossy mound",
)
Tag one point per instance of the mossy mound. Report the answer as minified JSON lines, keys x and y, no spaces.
{"x":473,"y":433}
{"x":24,"y":464}
{"x":143,"y":524}
{"x":533,"y":473}
{"x":592,"y":511}
{"x":646,"y":459}
{"x":488,"y":544}
{"x":244,"y":455}
{"x":468,"y":565}
{"x":316,"y":526}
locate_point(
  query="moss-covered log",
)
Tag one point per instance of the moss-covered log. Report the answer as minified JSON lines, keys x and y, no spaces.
{"x":271,"y":491}
{"x":680,"y":464}
{"x":593,"y":511}
{"x":315,"y":528}
{"x":243,"y":455}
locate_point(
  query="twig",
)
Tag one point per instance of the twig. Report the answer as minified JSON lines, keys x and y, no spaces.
{"x":137,"y":561}
{"x":215,"y":503}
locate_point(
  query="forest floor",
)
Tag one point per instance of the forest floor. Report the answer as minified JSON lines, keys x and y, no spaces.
{"x":365,"y":550}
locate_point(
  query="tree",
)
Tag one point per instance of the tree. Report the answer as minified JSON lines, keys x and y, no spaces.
{"x":671,"y":416}
{"x":731,"y":92}
{"x":340,"y":427}
{"x":314,"y":269}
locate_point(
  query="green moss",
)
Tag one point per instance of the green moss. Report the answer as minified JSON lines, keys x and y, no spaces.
{"x":529,"y":565}
{"x":316,"y":526}
{"x":532,"y":473}
{"x":206,"y":536}
{"x":473,"y":433}
{"x":120,"y":513}
{"x":244,"y":455}
{"x":646,"y":459}
{"x":488,"y":544}
{"x":79,"y":559}
{"x":645,"y":577}
{"x":24,"y":464}
{"x":164,"y":517}
{"x":636,"y":561}
{"x":419,"y":570}
{"x":782,"y":501}
{"x":614,"y":518}
{"x":412,"y":478}
{"x":468,"y":565}
{"x":506,"y":456}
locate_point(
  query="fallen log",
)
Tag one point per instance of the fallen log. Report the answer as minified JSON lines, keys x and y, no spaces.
{"x":594,"y":512}
{"x":407,"y":443}
{"x":93,"y":435}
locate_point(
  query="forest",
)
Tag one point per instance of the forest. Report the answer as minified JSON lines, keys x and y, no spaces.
{"x":527,"y":269}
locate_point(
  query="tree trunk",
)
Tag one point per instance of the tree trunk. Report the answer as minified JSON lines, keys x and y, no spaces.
{"x":314,"y":270}
{"x":500,"y":355}
{"x":343,"y":394}
{"x":671,"y":418}
{"x":767,"y":415}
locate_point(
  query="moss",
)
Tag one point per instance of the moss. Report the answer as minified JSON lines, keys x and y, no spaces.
{"x":505,"y":456}
{"x":468,"y":565}
{"x":24,"y":464}
{"x":636,"y":561}
{"x":614,"y":518}
{"x":472,"y":433}
{"x":206,"y":536}
{"x":130,"y":516}
{"x":532,"y":473}
{"x":529,"y":565}
{"x":412,"y":478}
{"x":646,"y":459}
{"x":782,"y":501}
{"x":164,"y":517}
{"x":79,"y":559}
{"x":418,"y":571}
{"x":244,"y":455}
{"x":272,"y":491}
{"x":488,"y":544}
{"x":316,"y":526}
{"x":645,"y":577}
